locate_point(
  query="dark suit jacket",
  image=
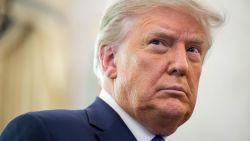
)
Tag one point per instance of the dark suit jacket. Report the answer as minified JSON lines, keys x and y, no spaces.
{"x":98,"y":122}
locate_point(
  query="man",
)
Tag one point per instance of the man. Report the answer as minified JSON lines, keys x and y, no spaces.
{"x":149,"y":57}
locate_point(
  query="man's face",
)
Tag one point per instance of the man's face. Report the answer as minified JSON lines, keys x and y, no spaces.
{"x":158,"y":67}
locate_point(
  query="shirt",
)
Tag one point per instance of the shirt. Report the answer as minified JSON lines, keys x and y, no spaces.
{"x":139,"y":131}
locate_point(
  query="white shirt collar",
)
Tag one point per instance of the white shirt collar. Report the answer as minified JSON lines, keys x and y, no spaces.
{"x":140,"y":132}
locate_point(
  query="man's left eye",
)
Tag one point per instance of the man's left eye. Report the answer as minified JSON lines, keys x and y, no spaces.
{"x":193,"y":50}
{"x":156,"y":42}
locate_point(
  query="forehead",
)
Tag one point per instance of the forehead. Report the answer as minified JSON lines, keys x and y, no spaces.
{"x":174,"y":21}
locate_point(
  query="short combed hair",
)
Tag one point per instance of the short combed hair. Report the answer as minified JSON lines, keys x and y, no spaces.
{"x":117,"y":17}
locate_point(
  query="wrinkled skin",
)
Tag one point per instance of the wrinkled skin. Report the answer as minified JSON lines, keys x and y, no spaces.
{"x":154,"y":73}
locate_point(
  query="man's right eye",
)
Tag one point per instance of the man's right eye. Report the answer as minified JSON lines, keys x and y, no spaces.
{"x":158,"y":45}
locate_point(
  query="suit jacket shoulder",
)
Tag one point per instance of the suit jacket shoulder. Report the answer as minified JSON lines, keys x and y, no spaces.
{"x":97,"y":122}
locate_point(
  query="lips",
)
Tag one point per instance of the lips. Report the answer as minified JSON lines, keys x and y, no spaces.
{"x":174,"y":89}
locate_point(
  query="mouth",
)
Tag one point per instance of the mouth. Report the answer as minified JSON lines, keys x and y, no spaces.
{"x":173,"y":90}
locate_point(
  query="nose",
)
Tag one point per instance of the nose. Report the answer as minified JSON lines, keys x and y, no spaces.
{"x":178,"y":62}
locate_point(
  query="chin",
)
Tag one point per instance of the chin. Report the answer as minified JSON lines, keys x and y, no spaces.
{"x":168,"y":123}
{"x":165,"y":117}
{"x":173,"y":108}
{"x":164,"y":128}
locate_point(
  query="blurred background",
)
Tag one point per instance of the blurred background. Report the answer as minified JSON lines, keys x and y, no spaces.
{"x":46,"y":55}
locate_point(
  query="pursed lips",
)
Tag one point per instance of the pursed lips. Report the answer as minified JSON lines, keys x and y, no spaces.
{"x":175,"y":90}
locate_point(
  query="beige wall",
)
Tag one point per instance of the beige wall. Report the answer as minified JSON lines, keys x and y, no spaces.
{"x":33,"y":59}
{"x":2,"y":6}
{"x":2,"y":10}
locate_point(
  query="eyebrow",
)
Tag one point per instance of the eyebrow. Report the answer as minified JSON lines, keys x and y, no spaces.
{"x":163,"y":35}
{"x":168,"y":34}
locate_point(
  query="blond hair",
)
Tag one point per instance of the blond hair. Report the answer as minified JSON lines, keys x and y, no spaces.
{"x":113,"y":24}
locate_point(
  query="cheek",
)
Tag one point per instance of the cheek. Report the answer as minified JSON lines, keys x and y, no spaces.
{"x":194,"y":81}
{"x":197,"y":74}
{"x":140,"y":68}
{"x":145,"y":74}
{"x":138,"y":73}
{"x":151,"y":67}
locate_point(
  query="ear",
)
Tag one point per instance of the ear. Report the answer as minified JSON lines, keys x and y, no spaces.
{"x":108,"y":61}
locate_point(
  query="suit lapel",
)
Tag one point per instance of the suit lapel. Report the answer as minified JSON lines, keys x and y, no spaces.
{"x":109,"y":124}
{"x":116,"y":133}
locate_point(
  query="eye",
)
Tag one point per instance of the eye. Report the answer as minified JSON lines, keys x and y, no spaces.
{"x":157,"y":45}
{"x":193,"y":49}
{"x":156,"y":42}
